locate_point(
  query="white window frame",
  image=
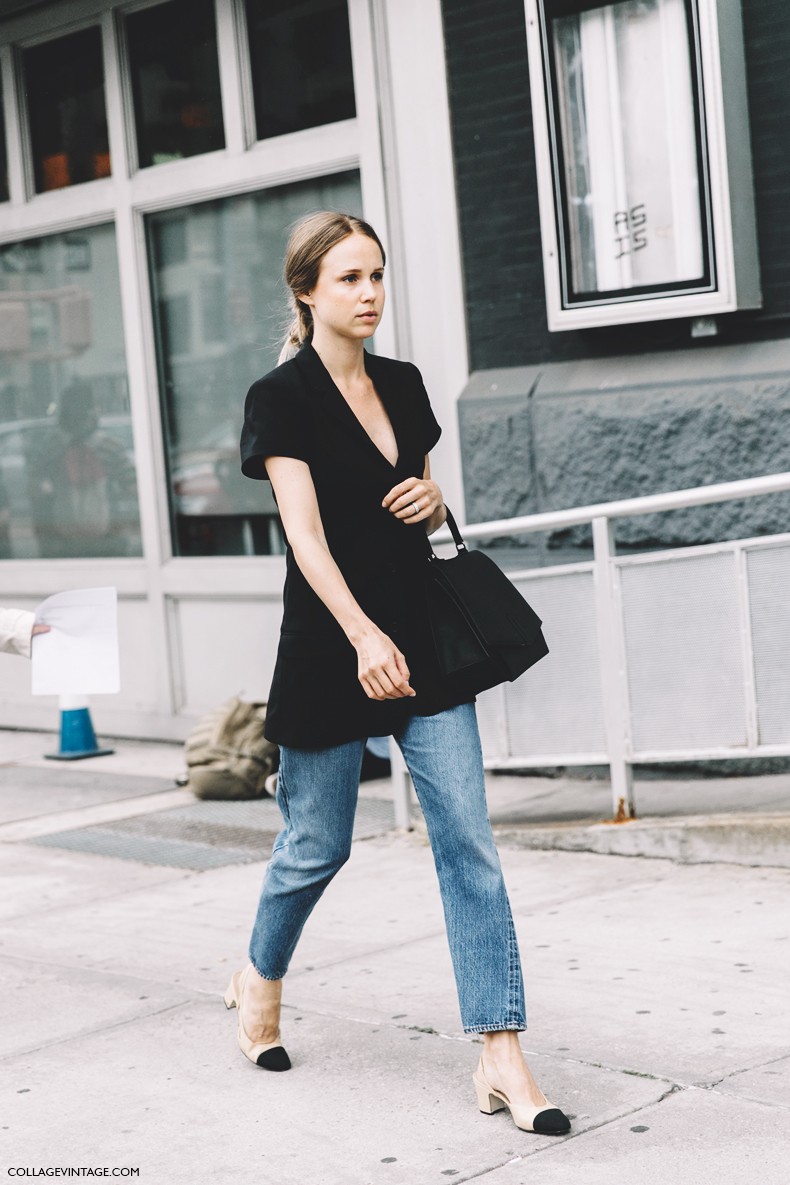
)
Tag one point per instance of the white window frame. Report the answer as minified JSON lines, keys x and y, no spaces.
{"x":728,"y":192}
{"x":125,"y":198}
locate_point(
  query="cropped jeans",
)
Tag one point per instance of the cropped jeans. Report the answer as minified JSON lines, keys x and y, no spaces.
{"x":317,"y":793}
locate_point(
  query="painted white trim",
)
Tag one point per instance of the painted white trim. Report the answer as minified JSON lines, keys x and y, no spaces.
{"x":371,"y":106}
{"x":118,"y":129}
{"x":303,"y":155}
{"x":148,"y":448}
{"x":237,"y":130}
{"x":15,"y":149}
{"x":421,"y":182}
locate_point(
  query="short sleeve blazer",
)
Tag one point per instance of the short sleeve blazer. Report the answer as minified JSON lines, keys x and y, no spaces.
{"x":296,"y":410}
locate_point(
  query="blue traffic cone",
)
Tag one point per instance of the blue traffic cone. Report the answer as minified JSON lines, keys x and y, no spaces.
{"x":77,"y":738}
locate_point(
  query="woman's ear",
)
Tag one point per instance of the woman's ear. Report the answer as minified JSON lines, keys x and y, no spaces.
{"x":306,"y":298}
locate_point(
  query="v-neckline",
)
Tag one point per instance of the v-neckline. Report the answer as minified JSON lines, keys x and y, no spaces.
{"x":354,"y":417}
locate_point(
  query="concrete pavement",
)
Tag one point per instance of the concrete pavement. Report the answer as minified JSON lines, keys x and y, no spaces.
{"x":657,"y":1001}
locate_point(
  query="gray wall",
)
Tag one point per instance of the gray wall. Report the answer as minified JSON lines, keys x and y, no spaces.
{"x":569,"y":434}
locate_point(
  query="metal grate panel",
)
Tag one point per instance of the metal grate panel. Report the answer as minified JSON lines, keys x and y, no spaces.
{"x":492,"y":722}
{"x":683,"y":653}
{"x":555,"y":707}
{"x":769,"y":582}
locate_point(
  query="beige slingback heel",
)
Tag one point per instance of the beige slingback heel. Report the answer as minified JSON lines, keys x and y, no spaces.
{"x":544,"y":1121}
{"x":269,"y":1056}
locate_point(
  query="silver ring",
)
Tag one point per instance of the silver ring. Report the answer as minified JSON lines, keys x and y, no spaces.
{"x":416,"y":508}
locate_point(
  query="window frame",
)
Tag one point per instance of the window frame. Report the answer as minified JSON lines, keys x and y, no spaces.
{"x":130,"y":193}
{"x":726,"y":181}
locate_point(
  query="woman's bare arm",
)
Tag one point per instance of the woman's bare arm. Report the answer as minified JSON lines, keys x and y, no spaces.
{"x":382,"y":668}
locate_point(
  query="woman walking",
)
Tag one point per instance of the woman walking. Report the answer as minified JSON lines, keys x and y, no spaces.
{"x":344,"y":438}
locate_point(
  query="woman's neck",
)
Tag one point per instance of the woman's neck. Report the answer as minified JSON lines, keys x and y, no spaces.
{"x":343,"y":358}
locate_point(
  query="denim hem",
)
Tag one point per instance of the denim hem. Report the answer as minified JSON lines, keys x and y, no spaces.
{"x":513,"y":1024}
{"x":262,"y":974}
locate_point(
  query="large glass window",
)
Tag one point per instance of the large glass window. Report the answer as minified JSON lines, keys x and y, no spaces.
{"x":175,"y":80}
{"x":220,"y":311}
{"x":67,"y":477}
{"x":64,"y":83}
{"x":301,"y":64}
{"x":631,"y":147}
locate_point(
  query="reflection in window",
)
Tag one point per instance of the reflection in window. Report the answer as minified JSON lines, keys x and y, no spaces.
{"x":632,"y":163}
{"x":220,"y":310}
{"x":64,"y":83}
{"x":67,"y":478}
{"x":175,"y":80}
{"x":3,"y":153}
{"x":301,"y":64}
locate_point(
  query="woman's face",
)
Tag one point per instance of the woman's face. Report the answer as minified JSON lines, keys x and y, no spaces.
{"x":348,"y":298}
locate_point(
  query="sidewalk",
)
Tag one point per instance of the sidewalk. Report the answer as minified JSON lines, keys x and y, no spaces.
{"x":656,"y":991}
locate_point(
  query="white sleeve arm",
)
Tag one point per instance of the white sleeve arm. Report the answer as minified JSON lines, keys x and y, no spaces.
{"x":16,"y":628}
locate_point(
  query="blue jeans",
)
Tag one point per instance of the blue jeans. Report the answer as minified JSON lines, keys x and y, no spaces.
{"x":317,"y":794}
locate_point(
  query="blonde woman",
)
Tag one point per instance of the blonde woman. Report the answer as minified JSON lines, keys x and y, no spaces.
{"x":344,"y":437}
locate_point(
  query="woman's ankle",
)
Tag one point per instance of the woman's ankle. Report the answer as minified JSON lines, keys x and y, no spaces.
{"x":501,"y":1045}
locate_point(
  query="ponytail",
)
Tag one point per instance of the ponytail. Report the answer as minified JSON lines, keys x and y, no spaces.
{"x":299,"y":331}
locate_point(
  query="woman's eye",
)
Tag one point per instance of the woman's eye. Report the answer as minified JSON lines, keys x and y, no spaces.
{"x":378,"y":276}
{"x":350,"y":278}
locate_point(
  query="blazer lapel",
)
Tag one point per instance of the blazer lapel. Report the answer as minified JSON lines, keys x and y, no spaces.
{"x":320,"y":381}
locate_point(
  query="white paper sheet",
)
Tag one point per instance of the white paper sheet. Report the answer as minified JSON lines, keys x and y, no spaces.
{"x":79,"y":655}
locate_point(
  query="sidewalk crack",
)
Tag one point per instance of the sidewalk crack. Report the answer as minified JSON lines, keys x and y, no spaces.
{"x":675,"y":1088}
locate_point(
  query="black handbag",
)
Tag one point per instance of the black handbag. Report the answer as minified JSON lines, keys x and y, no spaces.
{"x":483,"y":630}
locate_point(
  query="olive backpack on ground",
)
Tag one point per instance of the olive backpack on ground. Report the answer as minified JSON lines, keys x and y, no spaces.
{"x":227,"y":754}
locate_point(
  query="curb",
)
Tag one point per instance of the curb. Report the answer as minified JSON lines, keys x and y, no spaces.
{"x":757,"y":841}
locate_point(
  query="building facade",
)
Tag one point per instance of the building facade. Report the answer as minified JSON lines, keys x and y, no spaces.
{"x":555,"y":417}
{"x":582,"y":203}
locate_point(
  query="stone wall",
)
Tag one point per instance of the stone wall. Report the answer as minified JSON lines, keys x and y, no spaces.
{"x":572,"y":434}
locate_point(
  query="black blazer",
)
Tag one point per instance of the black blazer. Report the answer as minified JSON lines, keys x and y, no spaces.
{"x":316,"y":699}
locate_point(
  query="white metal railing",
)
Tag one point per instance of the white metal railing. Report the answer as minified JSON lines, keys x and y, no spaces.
{"x":673,"y":635}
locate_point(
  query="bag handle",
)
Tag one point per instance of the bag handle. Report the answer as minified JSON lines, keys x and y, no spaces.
{"x":456,"y":534}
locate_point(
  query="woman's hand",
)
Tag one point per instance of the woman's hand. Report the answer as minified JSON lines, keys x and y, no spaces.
{"x":382,"y":669}
{"x":414,"y":500}
{"x":39,"y":628}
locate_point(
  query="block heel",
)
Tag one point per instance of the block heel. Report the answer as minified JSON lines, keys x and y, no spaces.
{"x":232,"y":994}
{"x":544,"y":1121}
{"x":487,"y":1102}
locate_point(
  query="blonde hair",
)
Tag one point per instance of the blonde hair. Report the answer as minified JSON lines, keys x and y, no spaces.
{"x":310,"y":239}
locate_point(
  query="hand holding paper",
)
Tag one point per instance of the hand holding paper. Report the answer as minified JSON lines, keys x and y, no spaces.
{"x":79,"y":654}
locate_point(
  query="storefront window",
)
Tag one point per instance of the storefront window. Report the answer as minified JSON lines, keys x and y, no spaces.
{"x":175,"y":80}
{"x":630,"y":139}
{"x":64,"y":84}
{"x":67,"y":477}
{"x":220,"y":311}
{"x":301,"y":64}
